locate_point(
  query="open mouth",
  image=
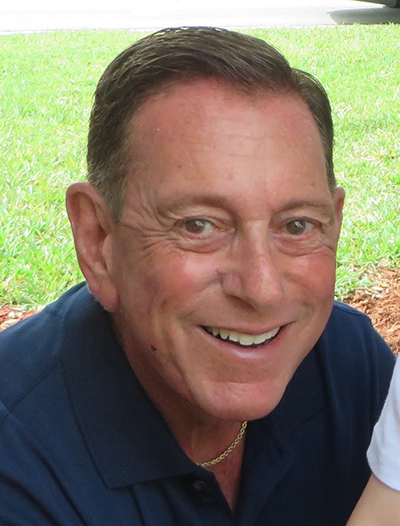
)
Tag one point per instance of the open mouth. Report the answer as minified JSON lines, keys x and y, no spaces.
{"x":244,"y":340}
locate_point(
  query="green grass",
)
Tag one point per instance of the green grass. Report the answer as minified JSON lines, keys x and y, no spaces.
{"x":46,"y":91}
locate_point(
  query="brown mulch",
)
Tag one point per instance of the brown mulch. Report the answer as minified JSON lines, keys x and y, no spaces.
{"x":381,"y":302}
{"x":10,"y":314}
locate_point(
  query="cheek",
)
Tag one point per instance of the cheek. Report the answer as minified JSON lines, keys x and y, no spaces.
{"x":190,"y":275}
{"x":178,"y":281}
{"x":314,"y":276}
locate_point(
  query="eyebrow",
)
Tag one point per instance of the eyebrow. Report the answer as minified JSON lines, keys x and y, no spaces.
{"x":324,"y":206}
{"x":221,"y":200}
{"x":217,"y":201}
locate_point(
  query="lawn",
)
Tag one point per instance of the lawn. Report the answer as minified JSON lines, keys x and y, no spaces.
{"x":46,"y":92}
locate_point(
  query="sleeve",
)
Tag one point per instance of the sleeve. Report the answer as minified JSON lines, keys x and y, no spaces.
{"x":384,"y":451}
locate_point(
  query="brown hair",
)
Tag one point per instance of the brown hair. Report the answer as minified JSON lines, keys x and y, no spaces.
{"x":173,"y":55}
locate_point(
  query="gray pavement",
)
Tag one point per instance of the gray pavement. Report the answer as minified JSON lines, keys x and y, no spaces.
{"x":45,"y":15}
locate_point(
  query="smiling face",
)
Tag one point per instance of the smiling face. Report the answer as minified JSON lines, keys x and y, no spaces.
{"x":224,"y":258}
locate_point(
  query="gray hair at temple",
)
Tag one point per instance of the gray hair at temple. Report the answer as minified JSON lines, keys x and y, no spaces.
{"x":171,"y":56}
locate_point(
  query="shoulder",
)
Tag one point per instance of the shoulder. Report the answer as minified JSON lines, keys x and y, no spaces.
{"x":351,"y":333}
{"x":343,"y":312}
{"x":46,"y":468}
{"x":29,"y":350}
{"x":357,"y":363}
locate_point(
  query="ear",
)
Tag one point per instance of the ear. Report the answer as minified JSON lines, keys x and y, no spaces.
{"x":92,"y":227}
{"x":338,"y":199}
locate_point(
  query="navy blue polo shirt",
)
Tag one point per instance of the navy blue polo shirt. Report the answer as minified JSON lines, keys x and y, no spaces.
{"x":82,"y":444}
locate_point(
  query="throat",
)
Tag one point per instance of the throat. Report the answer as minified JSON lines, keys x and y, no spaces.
{"x":228,"y":475}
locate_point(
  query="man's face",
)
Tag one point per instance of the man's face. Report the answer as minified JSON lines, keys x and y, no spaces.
{"x":224,"y":259}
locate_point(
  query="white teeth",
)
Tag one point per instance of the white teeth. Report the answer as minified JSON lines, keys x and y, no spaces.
{"x":224,"y":334}
{"x":234,"y":336}
{"x":259,"y":339}
{"x":244,"y":339}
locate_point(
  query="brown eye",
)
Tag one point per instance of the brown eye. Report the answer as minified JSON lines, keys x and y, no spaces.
{"x":297,"y":227}
{"x":196,"y":226}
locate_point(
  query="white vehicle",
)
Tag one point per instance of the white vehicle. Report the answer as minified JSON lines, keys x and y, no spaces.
{"x":389,"y":3}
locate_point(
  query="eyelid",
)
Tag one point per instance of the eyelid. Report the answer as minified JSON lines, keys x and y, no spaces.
{"x":303,"y":219}
{"x":298,"y":217}
{"x":196,"y":218}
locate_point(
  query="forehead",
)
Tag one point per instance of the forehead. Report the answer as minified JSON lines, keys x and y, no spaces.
{"x":207,"y":132}
{"x":201,"y":106}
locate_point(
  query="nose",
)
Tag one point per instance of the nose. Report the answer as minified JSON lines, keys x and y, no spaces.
{"x":253,"y":273}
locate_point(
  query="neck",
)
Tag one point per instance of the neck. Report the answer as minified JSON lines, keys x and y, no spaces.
{"x":203,"y":437}
{"x":228,"y":474}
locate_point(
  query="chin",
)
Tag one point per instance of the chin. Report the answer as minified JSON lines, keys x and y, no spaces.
{"x":245,"y":401}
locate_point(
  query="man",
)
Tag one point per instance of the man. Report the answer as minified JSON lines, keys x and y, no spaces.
{"x":205,"y":378}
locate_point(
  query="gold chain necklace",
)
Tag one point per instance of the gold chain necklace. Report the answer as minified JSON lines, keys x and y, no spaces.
{"x":227,"y":451}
